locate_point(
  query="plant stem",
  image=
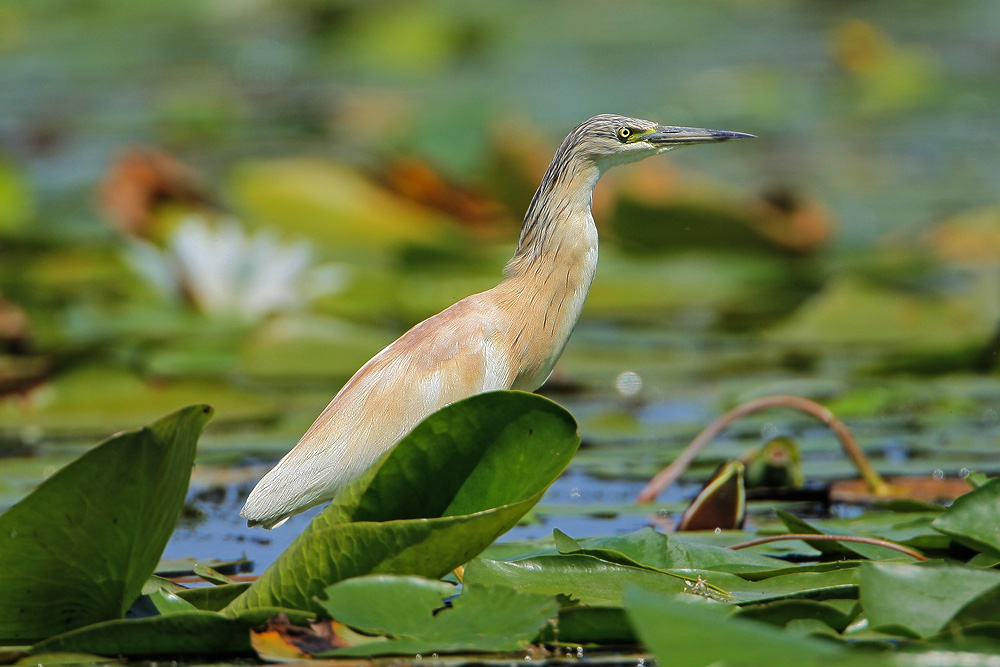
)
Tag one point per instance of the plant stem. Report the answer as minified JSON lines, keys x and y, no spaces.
{"x":669,"y":475}
{"x":810,"y":537}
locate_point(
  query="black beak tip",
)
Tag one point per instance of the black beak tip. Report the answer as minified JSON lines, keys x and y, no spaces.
{"x":723,"y":135}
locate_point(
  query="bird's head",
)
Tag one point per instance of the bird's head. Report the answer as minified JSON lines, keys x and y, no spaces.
{"x":608,"y":139}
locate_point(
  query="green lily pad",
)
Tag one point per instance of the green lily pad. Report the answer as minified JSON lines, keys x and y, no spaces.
{"x":185,"y":633}
{"x":686,"y":631}
{"x":80,"y":547}
{"x":461,"y":478}
{"x":412,"y":612}
{"x":974,"y":519}
{"x":919,"y":600}
{"x":582,"y":577}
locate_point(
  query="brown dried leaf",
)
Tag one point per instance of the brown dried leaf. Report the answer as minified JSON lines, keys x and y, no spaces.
{"x":280,"y":640}
{"x":142,"y":179}
{"x":419,"y":182}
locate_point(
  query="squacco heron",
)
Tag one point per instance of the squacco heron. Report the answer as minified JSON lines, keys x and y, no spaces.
{"x":508,"y":337}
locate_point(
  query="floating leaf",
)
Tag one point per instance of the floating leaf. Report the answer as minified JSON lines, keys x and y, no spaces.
{"x":213,"y":598}
{"x":461,"y":478}
{"x":834,"y":549}
{"x":412,"y":611}
{"x":587,"y":578}
{"x":919,"y":600}
{"x":200,"y":633}
{"x":80,"y":547}
{"x":684,"y":630}
{"x":974,"y":519}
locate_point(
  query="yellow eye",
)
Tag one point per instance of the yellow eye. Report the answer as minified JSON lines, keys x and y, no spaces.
{"x":624,"y":133}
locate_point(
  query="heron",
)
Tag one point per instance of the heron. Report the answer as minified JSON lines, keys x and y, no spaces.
{"x":508,"y":337}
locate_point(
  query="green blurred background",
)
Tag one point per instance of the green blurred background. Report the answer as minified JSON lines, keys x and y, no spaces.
{"x":239,"y":202}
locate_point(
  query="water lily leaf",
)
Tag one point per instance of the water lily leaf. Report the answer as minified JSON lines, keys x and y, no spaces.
{"x":683,"y":630}
{"x":838,"y":583}
{"x":461,"y":478}
{"x":169,"y":603}
{"x":974,"y":519}
{"x":783,"y":612}
{"x":920,"y":599}
{"x":72,"y":407}
{"x":183,"y":633}
{"x":852,"y":311}
{"x":582,"y":577}
{"x":213,"y":598}
{"x":401,"y":606}
{"x":413,"y":612}
{"x":849,"y":550}
{"x":80,"y":547}
{"x":334,"y":204}
{"x":193,"y":633}
{"x":649,"y":548}
{"x":582,"y":624}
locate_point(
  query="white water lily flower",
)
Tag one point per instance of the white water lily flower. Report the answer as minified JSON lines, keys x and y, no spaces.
{"x":223,"y":270}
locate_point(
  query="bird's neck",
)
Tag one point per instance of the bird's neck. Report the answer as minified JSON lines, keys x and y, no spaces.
{"x":549,"y":276}
{"x":558,"y":228}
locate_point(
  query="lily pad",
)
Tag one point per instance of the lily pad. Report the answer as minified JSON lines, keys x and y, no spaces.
{"x":413,"y":613}
{"x":686,"y":631}
{"x":80,"y":547}
{"x":919,"y":600}
{"x":461,"y":478}
{"x":974,"y":519}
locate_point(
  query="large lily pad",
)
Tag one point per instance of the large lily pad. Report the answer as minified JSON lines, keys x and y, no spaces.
{"x":80,"y":547}
{"x":461,"y":478}
{"x":919,"y":600}
{"x":684,"y":630}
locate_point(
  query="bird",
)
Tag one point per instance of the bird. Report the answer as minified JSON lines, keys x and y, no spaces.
{"x":508,"y":337}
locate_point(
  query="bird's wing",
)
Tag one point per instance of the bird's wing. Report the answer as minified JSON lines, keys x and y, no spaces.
{"x":445,"y":358}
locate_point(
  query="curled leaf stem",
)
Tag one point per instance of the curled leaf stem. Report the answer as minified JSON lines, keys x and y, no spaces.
{"x":666,"y":477}
{"x":810,"y":537}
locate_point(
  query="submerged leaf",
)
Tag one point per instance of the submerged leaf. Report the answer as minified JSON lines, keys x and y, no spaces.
{"x":80,"y":547}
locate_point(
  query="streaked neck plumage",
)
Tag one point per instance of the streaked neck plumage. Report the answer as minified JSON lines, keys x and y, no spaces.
{"x":559,"y":218}
{"x":553,"y":267}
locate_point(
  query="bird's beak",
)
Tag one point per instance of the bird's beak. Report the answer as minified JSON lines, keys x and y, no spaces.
{"x":666,"y":135}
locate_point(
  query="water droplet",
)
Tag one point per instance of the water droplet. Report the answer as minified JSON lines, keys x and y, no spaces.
{"x":13,"y":534}
{"x":527,"y":658}
{"x":964,"y":472}
{"x":434,"y":655}
{"x":769,"y":432}
{"x":419,"y":657}
{"x":628,"y":383}
{"x":641,"y":663}
{"x":938,"y":475}
{"x":718,"y":531}
{"x":579,"y":651}
{"x":574,"y":493}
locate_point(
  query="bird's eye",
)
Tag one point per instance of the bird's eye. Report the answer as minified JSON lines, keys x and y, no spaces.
{"x":624,"y":133}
